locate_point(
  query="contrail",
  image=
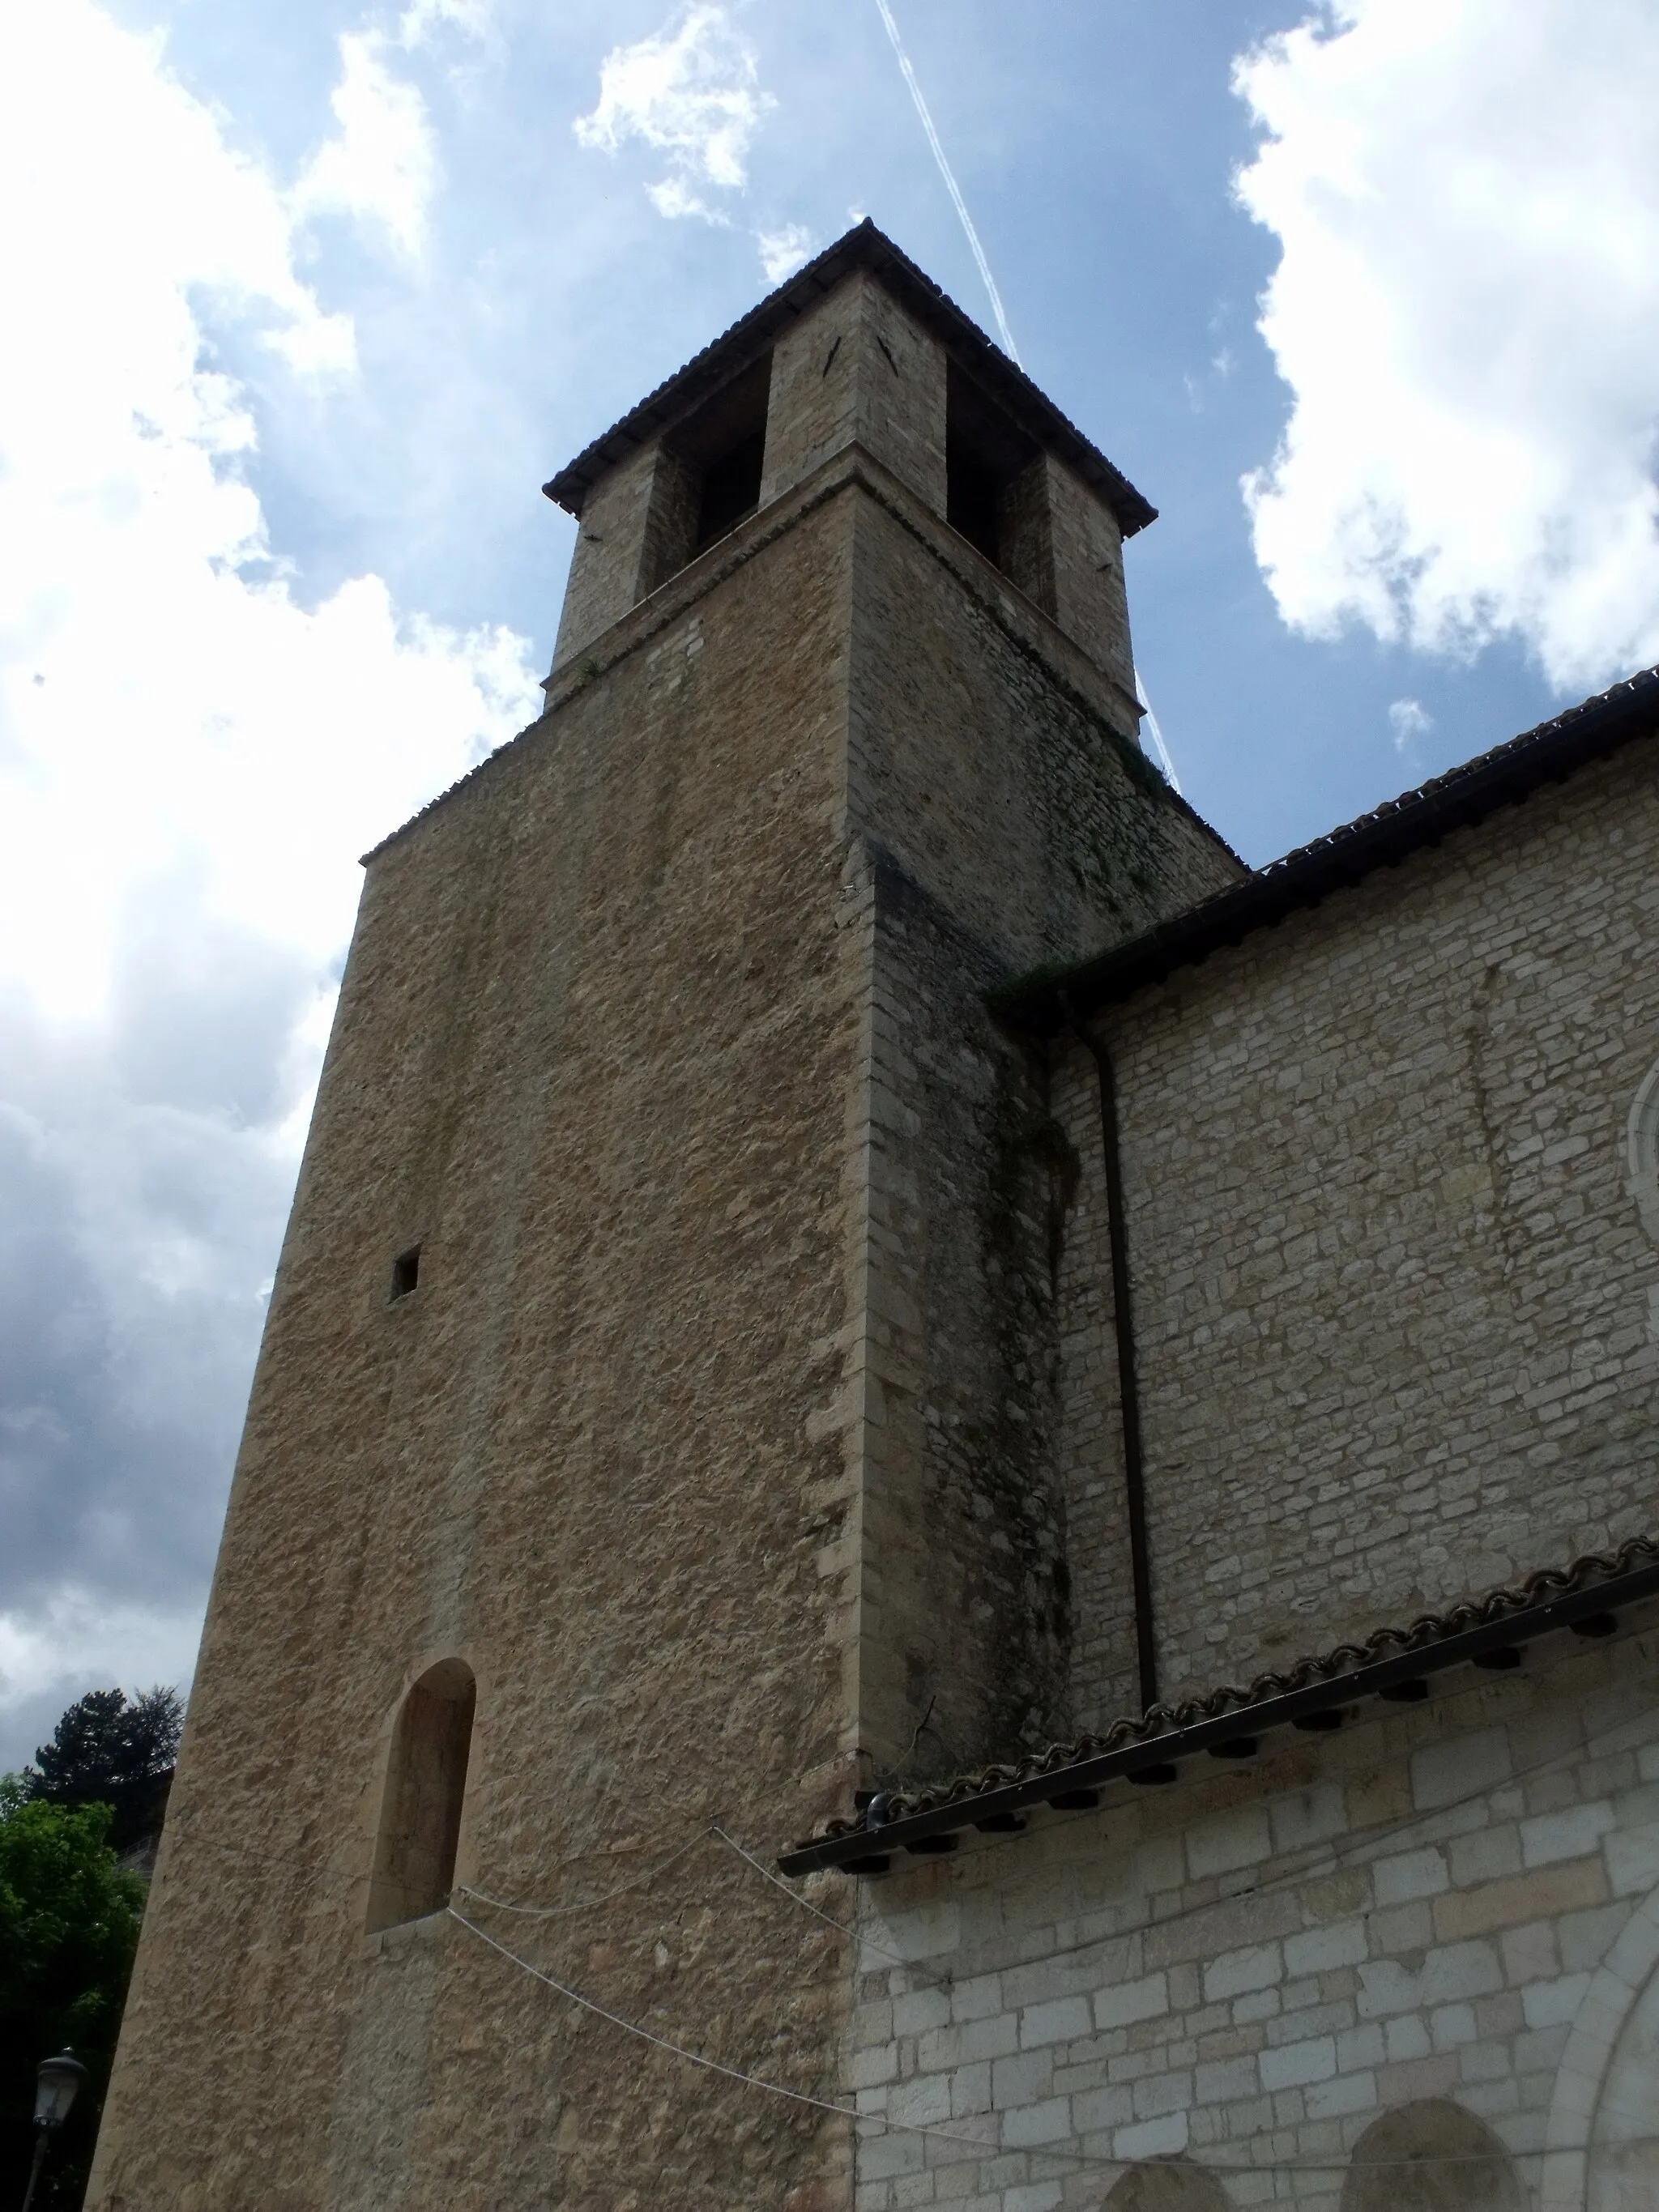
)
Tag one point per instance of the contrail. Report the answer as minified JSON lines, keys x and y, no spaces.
{"x":984,"y":266}
{"x":950,"y":184}
{"x":1158,"y":735}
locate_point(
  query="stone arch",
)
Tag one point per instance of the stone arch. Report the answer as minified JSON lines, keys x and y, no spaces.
{"x":1598,"y":2152}
{"x":1430,"y":2156}
{"x":420,"y":1822}
{"x":1166,"y":2185}
{"x":1642,"y":1151}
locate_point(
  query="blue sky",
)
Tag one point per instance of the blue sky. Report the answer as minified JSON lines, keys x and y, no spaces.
{"x":305,"y":303}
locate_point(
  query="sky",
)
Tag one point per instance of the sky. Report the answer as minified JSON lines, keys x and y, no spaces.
{"x":303,"y":306}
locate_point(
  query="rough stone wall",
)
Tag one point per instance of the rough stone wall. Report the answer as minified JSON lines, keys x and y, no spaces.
{"x":1231,"y":1980}
{"x":1092,"y":604}
{"x":857,"y":371}
{"x":610,"y":565}
{"x":662,"y":1038}
{"x":1007,"y":823}
{"x":593,"y":1052}
{"x":1391,"y":1295}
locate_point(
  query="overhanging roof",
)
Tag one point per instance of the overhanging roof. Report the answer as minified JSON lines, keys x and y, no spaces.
{"x":1045,"y":1002}
{"x":1397,"y":1664}
{"x":865,"y":247}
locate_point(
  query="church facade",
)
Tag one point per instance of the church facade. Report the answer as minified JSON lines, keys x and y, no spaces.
{"x":946,"y":1502}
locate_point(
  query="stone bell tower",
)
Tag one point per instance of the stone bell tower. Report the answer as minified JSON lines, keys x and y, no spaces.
{"x":653,"y":1422}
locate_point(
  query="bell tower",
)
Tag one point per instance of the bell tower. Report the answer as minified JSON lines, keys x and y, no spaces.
{"x":654,"y":1429}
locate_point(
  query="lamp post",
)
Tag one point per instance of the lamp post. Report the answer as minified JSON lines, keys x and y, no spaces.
{"x":55,"y":2086}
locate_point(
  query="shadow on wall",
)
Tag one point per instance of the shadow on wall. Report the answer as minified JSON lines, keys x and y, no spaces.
{"x":1168,"y":2187}
{"x":1431,"y":2157}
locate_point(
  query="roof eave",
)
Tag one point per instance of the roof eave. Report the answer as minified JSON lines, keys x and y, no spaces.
{"x":856,"y":1850}
{"x":1043,"y":1004}
{"x":863,"y":247}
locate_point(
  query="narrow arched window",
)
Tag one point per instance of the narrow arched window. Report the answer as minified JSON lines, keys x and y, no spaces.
{"x":420,"y":1808}
{"x":1431,"y":2157}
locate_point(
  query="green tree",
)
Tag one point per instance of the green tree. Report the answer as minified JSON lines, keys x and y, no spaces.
{"x":106,"y":1751}
{"x":69,"y":1924}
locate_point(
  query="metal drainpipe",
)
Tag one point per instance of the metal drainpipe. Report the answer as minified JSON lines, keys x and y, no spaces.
{"x":1134,"y":1470}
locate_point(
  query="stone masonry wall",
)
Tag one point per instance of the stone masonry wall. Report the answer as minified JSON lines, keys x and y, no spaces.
{"x":1226,"y":1982}
{"x":1390,"y":1294}
{"x":594,"y":1053}
{"x":1006,"y":823}
{"x":857,"y":370}
{"x":662,"y":1037}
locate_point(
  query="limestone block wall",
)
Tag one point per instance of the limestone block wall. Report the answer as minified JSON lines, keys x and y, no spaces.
{"x":1391,"y":1292}
{"x":1211,"y":1995}
{"x":610,"y":564}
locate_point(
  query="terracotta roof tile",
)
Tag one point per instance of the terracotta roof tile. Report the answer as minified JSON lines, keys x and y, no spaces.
{"x":1523,"y":1608}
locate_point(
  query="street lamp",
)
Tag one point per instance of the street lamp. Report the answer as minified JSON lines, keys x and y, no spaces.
{"x":55,"y":2086}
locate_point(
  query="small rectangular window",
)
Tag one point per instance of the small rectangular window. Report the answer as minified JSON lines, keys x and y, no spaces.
{"x":405,"y":1272}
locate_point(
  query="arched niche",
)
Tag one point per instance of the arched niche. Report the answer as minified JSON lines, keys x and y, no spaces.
{"x":1624,"y":2144}
{"x":1166,"y":2185}
{"x":420,"y":1804}
{"x":1431,"y":2156}
{"x":1642,"y":1151}
{"x":1599,"y":2144}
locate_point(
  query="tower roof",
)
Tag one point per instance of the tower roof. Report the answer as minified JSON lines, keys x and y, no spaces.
{"x":863,"y":247}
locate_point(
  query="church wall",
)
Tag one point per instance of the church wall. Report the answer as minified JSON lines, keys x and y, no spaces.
{"x":1391,"y":1296}
{"x":1227,"y":1983}
{"x":594,"y":1055}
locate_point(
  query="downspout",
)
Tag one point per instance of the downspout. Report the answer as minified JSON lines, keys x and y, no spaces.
{"x":1134,"y":1466}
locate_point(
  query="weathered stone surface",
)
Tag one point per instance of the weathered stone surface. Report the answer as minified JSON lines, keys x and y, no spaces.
{"x":700,"y":1440}
{"x":1391,"y":1294}
{"x":752,"y":1433}
{"x":1302,"y":2040}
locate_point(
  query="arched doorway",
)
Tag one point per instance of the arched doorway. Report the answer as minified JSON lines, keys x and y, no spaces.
{"x":1431,"y":2156}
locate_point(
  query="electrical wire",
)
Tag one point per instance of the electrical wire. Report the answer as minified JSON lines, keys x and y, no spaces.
{"x":587,"y":1904}
{"x":1075,"y":2161}
{"x":1329,"y":1858}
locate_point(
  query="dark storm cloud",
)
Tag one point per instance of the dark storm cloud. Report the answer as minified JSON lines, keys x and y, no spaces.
{"x":142,"y":1192}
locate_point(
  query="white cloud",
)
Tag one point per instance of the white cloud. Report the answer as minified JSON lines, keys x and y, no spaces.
{"x":1408,"y":721}
{"x":191,"y":759}
{"x":1467,"y":312}
{"x":692,"y":92}
{"x":381,"y":165}
{"x":784,"y":250}
{"x":420,"y":21}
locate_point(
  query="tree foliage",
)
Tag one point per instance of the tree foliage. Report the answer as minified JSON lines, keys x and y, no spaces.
{"x":69,"y":1924}
{"x":106,"y":1751}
